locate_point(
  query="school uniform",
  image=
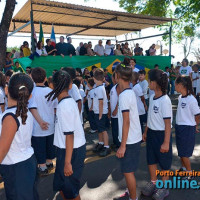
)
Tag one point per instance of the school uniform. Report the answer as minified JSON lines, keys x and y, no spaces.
{"x":141,"y":110}
{"x":114,"y":119}
{"x":75,"y":94}
{"x":42,"y":140}
{"x":100,"y":94}
{"x":159,"y":109}
{"x":18,"y":169}
{"x":2,"y":98}
{"x":128,"y":103}
{"x":144,"y":85}
{"x":194,"y":83}
{"x":186,"y":125}
{"x":91,"y":118}
{"x":68,"y":122}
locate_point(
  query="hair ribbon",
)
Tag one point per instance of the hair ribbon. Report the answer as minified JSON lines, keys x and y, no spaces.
{"x":21,"y":87}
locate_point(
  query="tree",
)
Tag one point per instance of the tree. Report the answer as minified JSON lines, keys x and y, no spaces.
{"x":187,"y":13}
{"x":4,"y":28}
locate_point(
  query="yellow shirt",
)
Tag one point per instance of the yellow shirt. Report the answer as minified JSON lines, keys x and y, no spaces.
{"x":26,"y":52}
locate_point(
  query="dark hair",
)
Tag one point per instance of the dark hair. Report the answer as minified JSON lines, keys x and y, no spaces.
{"x":68,"y":38}
{"x":61,"y":82}
{"x":186,"y":82}
{"x":166,"y":68}
{"x":91,"y":82}
{"x":125,"y":72}
{"x":99,"y":74}
{"x":71,"y":71}
{"x":9,"y":73}
{"x":38,"y":44}
{"x":156,"y":65}
{"x":77,"y":82}
{"x":105,"y":70}
{"x":160,"y":78}
{"x":94,"y":67}
{"x":20,"y":88}
{"x":126,"y":61}
{"x":87,"y":77}
{"x":196,"y":65}
{"x":108,"y":41}
{"x":38,"y":75}
{"x":142,"y":71}
{"x":79,"y":71}
{"x":25,"y":43}
{"x":47,"y":40}
{"x":62,"y":37}
{"x":2,"y":80}
{"x":135,"y":76}
{"x":186,"y":60}
{"x":113,"y":75}
{"x":133,"y":59}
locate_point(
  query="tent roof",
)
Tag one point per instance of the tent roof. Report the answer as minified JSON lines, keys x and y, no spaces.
{"x":81,"y":20}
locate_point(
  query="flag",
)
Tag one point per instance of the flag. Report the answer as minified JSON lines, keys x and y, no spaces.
{"x":41,"y":37}
{"x":53,"y":37}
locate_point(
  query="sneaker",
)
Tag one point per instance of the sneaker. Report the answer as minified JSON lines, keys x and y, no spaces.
{"x":93,"y":131}
{"x":104,"y":152}
{"x":50,"y":166}
{"x":149,"y":189}
{"x":42,"y":172}
{"x":124,"y":196}
{"x":160,"y":194}
{"x":98,"y":148}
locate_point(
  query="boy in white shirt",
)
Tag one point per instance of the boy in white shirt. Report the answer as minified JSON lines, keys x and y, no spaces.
{"x":100,"y":108}
{"x":44,"y":117}
{"x":144,"y":85}
{"x":195,"y":77}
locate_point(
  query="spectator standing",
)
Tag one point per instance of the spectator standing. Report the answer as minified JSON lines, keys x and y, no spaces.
{"x":21,"y":51}
{"x":109,"y":48}
{"x":41,"y":49}
{"x":126,"y":50}
{"x":50,"y":49}
{"x":185,"y":69}
{"x":83,"y":50}
{"x":9,"y":62}
{"x":93,"y":70}
{"x":152,"y":50}
{"x":70,"y":48}
{"x":195,"y":77}
{"x":118,"y":51}
{"x":89,"y":49}
{"x":62,"y":47}
{"x":16,"y":54}
{"x":26,"y":50}
{"x":99,"y":49}
{"x":137,"y":50}
{"x":78,"y":48}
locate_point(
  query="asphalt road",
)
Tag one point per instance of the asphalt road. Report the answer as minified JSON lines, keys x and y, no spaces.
{"x":102,"y":179}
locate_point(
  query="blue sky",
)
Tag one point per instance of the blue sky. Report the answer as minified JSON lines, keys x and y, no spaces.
{"x":177,"y":50}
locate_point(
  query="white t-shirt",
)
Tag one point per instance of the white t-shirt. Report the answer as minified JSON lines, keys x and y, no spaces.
{"x":185,"y":70}
{"x":46,"y":110}
{"x":75,"y":93}
{"x":83,"y":95}
{"x":90,"y":97}
{"x":68,"y":122}
{"x":20,"y":149}
{"x":187,"y":110}
{"x":159,"y":109}
{"x":138,"y":92}
{"x":136,"y":70}
{"x":144,"y":85}
{"x":108,"y":49}
{"x":128,"y":103}
{"x":151,"y":92}
{"x":99,"y":49}
{"x":41,"y":51}
{"x":100,"y":94}
{"x":113,"y":99}
{"x":2,"y":98}
{"x":194,"y":76}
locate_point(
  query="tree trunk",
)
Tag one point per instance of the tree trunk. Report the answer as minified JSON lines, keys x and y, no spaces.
{"x":4,"y":28}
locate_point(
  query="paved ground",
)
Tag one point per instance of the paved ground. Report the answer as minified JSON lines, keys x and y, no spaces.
{"x":102,"y":179}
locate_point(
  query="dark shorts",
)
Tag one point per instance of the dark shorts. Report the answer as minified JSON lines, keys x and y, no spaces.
{"x":43,"y":148}
{"x":130,"y":161}
{"x":153,"y":143}
{"x":185,"y":140}
{"x":101,"y":124}
{"x":69,"y":185}
{"x":20,"y":180}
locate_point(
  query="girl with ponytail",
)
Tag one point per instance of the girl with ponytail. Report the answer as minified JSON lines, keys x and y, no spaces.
{"x":158,"y":132}
{"x":187,"y":119}
{"x":69,"y":139}
{"x":17,"y":161}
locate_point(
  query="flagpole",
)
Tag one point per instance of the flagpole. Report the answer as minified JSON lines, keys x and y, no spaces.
{"x":32,"y":29}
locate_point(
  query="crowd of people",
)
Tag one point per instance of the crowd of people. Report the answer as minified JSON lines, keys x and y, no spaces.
{"x":43,"y":119}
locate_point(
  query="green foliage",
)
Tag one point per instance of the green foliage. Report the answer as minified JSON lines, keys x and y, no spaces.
{"x":187,"y":13}
{"x":9,"y":49}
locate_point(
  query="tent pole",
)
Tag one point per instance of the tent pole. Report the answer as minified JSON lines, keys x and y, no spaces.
{"x":32,"y":29}
{"x":170,"y":40}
